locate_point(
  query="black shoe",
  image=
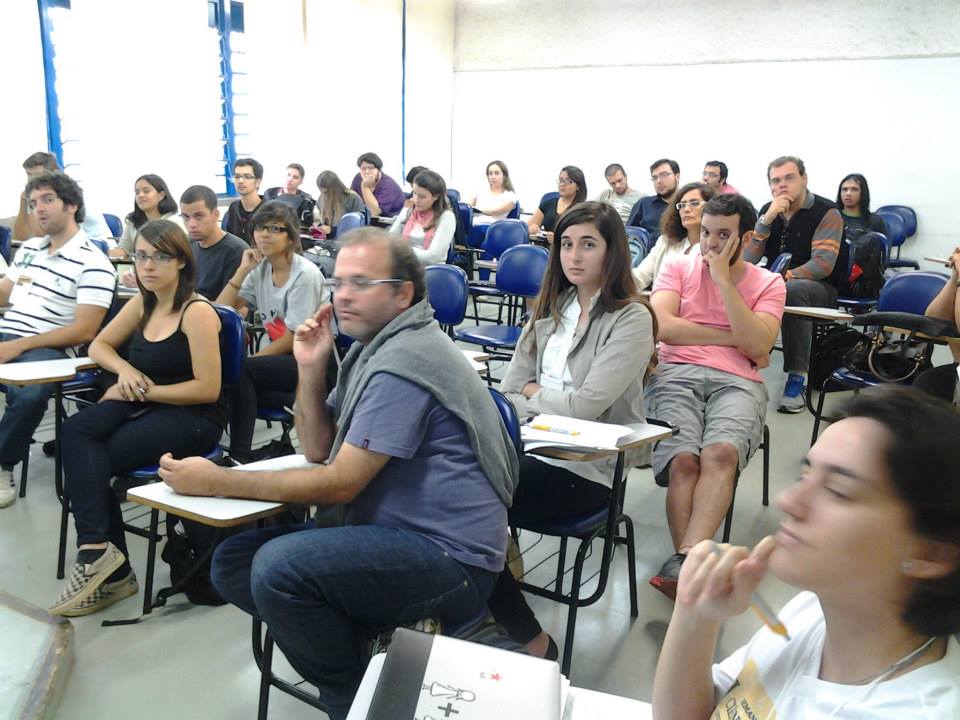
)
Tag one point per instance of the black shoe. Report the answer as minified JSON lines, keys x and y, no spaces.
{"x":553,"y":652}
{"x":666,"y":580}
{"x":48,"y":448}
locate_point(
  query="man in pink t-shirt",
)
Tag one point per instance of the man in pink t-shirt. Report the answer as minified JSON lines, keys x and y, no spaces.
{"x":718,"y":318}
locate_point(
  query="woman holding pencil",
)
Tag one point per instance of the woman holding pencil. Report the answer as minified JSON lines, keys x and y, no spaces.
{"x":871,"y":534}
{"x":583,"y":354}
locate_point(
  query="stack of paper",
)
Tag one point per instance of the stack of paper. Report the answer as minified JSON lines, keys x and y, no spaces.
{"x":560,"y":431}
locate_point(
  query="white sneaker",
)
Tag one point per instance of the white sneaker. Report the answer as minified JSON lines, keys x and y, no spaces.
{"x":8,"y":492}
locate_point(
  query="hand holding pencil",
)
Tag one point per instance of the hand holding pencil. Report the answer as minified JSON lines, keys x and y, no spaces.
{"x":720,"y":581}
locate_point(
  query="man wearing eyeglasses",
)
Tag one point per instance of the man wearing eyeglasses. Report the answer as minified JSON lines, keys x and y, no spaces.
{"x":415,"y":451}
{"x":810,"y":228}
{"x":646,"y":213}
{"x":247,"y":176}
{"x":59,"y":287}
{"x":715,"y":175}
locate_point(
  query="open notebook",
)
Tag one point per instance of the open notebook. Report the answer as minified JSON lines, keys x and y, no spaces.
{"x":567,"y":432}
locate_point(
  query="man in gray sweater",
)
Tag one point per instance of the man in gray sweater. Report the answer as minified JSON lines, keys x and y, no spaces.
{"x":416,"y":452}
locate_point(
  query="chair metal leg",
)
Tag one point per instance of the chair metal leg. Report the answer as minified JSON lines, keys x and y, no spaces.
{"x":561,"y":562}
{"x":728,"y":523}
{"x":266,"y":664}
{"x":62,"y":549}
{"x":151,"y":561}
{"x":24,"y":468}
{"x":819,"y":412}
{"x":766,"y":466}
{"x":631,"y":566}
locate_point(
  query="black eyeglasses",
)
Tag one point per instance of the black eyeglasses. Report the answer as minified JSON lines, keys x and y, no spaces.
{"x":271,"y":228}
{"x":361,"y":284}
{"x":159,"y":257}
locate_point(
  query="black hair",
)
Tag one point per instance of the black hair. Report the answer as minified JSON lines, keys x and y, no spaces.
{"x":372,"y":158}
{"x":727,"y":205}
{"x":44,"y":159}
{"x":65,"y":188}
{"x":864,"y":193}
{"x":167,"y":205}
{"x":613,"y":168}
{"x":277,"y":211}
{"x":717,"y":164}
{"x":199,"y":192}
{"x":299,"y":168}
{"x":670,"y":225}
{"x":414,"y":171}
{"x":170,"y":238}
{"x":576,"y":175}
{"x":674,"y":165}
{"x":257,"y":167}
{"x":921,"y":459}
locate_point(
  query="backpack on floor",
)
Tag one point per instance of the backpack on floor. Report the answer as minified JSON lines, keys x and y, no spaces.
{"x":834,"y":350}
{"x":187,"y":541}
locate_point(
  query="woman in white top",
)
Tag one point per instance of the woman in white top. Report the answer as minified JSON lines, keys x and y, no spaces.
{"x":429,"y":224}
{"x":679,"y":231}
{"x":871,"y":532}
{"x":584,"y":354}
{"x":496,"y":202}
{"x":152,"y":200}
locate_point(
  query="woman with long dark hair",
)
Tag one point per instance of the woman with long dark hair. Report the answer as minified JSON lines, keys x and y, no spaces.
{"x":335,"y":200}
{"x":429,"y":224}
{"x":583,"y":354}
{"x":152,"y":200}
{"x":166,"y":398}
{"x":571,"y":188}
{"x":871,"y":536}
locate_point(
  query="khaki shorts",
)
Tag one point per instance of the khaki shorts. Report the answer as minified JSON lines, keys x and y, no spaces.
{"x":709,"y":407}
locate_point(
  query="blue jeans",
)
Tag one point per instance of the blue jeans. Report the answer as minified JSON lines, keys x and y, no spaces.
{"x":324,"y":591}
{"x":25,"y":407}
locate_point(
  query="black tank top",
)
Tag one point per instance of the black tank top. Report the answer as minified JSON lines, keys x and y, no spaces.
{"x":168,"y":362}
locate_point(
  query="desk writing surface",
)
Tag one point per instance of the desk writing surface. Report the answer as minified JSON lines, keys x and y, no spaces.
{"x":216,"y":510}
{"x":818,"y":313}
{"x":640,"y":434}
{"x":43,"y":371}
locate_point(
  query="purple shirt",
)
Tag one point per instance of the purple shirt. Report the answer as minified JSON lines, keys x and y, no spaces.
{"x":389,"y":196}
{"x":433,"y":483}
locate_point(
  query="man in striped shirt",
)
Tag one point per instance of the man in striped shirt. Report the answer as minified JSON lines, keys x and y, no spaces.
{"x":810,"y":228}
{"x":59,"y":288}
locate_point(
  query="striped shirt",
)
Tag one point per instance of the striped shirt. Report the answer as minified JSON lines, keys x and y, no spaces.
{"x":47,"y":287}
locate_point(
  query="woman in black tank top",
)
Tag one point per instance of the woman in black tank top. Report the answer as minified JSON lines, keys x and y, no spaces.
{"x":166,"y":398}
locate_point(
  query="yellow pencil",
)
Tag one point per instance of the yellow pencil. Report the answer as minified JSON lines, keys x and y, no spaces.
{"x":560,"y":431}
{"x":762,"y":609}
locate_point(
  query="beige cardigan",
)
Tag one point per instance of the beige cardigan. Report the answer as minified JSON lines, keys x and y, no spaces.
{"x":607,"y":362}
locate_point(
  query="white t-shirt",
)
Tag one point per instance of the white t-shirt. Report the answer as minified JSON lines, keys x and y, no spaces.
{"x":554,"y":370}
{"x":487,"y":199}
{"x":770,"y":678}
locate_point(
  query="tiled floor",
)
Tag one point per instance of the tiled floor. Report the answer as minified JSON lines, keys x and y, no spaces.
{"x":191,"y":662}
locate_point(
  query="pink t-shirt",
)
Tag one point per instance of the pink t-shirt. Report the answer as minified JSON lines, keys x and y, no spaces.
{"x":700,"y":302}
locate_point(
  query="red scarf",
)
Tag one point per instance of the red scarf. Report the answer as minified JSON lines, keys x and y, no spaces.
{"x":418,"y":219}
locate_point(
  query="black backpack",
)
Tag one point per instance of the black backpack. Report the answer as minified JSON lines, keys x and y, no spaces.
{"x":866,"y":271}
{"x":187,"y":541}
{"x":833,"y":351}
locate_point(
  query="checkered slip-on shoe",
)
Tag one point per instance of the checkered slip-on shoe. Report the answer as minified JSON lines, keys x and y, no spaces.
{"x":85,"y":578}
{"x":105,"y":596}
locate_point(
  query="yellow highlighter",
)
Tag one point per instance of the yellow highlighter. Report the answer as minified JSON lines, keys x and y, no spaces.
{"x":762,"y":609}
{"x":559,"y":431}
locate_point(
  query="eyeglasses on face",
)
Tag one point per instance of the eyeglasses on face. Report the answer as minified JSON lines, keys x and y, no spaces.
{"x":692,"y":204}
{"x":159,"y":257}
{"x":565,"y":181}
{"x":361,"y":284}
{"x":244,"y":176}
{"x":709,"y":174}
{"x":662,"y":176}
{"x":270,"y":228}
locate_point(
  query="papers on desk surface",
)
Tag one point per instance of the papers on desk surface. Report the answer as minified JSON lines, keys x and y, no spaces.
{"x":567,"y":432}
{"x":820,"y":312}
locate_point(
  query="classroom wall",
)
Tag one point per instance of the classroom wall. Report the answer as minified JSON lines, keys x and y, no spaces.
{"x":318,"y":91}
{"x":849,"y":87}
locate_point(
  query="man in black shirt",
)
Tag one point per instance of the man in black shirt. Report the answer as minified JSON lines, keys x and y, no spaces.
{"x":290,"y":193}
{"x":216,"y":252}
{"x":247,"y":176}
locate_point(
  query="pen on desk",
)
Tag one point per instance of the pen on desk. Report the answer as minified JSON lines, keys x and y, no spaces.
{"x":762,"y":609}
{"x":559,"y":431}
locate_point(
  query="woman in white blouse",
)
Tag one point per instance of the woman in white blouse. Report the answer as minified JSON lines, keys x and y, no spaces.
{"x":152,"y":200}
{"x":584,"y":354}
{"x":429,"y":224}
{"x":679,"y":231}
{"x":871,"y":533}
{"x":497,"y":202}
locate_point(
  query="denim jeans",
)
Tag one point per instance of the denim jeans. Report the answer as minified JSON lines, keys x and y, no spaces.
{"x":25,"y":407}
{"x":324,"y":591}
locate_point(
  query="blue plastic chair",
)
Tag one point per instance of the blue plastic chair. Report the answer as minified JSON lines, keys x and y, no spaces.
{"x":5,"y":236}
{"x":508,"y":415}
{"x":102,"y":244}
{"x":515,"y":213}
{"x":113,"y":222}
{"x":349,"y":221}
{"x":781,"y":262}
{"x":500,"y":235}
{"x":520,"y":274}
{"x":908,"y":215}
{"x":453,"y":196}
{"x":897,"y":234}
{"x":447,"y":294}
{"x":909,"y":292}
